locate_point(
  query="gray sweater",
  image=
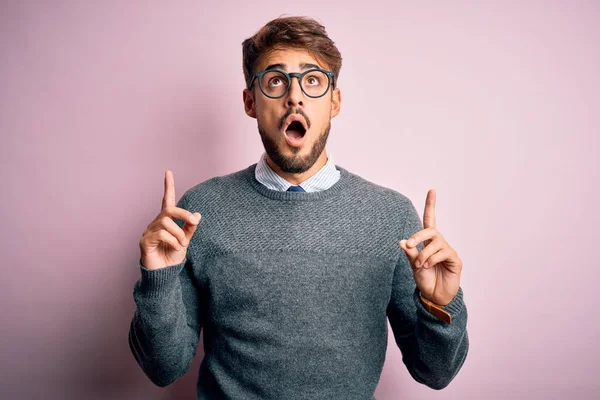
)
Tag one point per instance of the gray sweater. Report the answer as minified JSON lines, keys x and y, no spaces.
{"x":293,"y":291}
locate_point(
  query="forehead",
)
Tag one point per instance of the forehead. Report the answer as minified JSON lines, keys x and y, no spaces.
{"x":291,"y":59}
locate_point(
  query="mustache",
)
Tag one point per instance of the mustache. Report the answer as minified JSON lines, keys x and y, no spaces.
{"x":290,"y":112}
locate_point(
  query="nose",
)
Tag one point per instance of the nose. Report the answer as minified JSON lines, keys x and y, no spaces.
{"x":294,"y":94}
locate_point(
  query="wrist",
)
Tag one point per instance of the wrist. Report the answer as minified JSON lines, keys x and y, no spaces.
{"x":422,"y":296}
{"x":435,"y":309}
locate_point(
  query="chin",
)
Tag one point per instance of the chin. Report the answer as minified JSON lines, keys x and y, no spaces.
{"x":292,"y":159}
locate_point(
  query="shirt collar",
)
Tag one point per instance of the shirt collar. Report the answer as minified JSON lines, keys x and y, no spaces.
{"x":323,"y":179}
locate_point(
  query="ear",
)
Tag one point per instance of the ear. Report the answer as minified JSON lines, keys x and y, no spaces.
{"x":249,"y":104}
{"x":336,"y":102}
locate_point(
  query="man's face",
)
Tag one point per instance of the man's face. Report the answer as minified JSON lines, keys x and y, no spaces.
{"x":274,"y":116}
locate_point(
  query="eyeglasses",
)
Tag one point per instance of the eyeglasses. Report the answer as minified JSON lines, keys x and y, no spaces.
{"x":275,"y":83}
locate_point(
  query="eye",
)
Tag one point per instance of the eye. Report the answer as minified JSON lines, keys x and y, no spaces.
{"x":312,"y":80}
{"x":275,"y":81}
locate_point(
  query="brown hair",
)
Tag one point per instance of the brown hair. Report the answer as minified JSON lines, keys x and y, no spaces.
{"x":291,"y":32}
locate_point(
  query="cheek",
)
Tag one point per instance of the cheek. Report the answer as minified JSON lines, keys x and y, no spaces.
{"x":267,"y":121}
{"x":322,"y":118}
{"x":265,"y":115}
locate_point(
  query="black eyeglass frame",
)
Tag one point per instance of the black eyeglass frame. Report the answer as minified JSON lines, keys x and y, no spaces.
{"x":289,"y":76}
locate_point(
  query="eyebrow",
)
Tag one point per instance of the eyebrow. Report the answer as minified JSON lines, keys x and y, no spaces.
{"x":303,"y":66}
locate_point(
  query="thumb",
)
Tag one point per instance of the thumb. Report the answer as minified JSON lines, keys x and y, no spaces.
{"x":412,"y":252}
{"x":189,"y":228}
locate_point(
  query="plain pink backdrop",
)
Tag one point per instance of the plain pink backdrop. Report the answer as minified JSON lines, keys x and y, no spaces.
{"x":492,"y":104}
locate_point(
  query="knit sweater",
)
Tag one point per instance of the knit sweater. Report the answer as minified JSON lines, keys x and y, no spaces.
{"x":293,"y":292}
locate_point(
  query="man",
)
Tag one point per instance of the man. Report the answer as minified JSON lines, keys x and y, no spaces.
{"x":298,"y":263}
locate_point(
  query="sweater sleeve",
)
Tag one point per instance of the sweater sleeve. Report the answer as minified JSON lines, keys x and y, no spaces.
{"x":432,"y":350}
{"x":165,"y":328}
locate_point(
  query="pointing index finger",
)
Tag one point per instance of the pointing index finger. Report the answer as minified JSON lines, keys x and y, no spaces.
{"x":169,"y":196}
{"x":429,"y":214}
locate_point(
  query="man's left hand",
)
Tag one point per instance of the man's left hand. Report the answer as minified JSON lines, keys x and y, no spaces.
{"x":437,"y":267}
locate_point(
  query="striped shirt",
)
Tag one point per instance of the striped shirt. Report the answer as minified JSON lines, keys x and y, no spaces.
{"x":326,"y":177}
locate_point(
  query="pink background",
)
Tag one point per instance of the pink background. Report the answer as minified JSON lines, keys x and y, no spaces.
{"x":494,"y":105}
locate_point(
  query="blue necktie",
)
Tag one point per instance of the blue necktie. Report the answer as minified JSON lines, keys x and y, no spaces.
{"x":295,"y":189}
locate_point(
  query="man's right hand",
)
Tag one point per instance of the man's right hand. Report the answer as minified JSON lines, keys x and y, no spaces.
{"x":164,"y":243}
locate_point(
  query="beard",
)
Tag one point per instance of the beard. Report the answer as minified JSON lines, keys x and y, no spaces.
{"x":296,"y":163}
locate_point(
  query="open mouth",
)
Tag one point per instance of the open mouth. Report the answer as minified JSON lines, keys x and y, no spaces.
{"x":295,"y":130}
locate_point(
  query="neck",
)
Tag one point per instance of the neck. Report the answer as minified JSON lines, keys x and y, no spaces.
{"x":296,"y":179}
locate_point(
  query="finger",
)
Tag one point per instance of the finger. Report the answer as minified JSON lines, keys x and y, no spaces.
{"x":170,"y":226}
{"x":422,"y":235}
{"x":162,"y":236}
{"x":429,"y":213}
{"x":169,"y":195}
{"x":436,"y":258}
{"x":433,"y":247}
